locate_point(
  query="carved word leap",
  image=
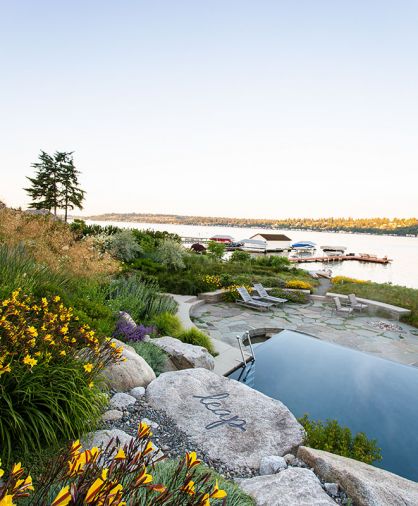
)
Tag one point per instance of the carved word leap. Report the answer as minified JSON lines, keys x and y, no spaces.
{"x":211,"y":403}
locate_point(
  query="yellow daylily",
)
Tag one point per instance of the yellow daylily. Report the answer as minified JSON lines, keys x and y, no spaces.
{"x":217,"y":492}
{"x":88,"y":367}
{"x":7,"y":500}
{"x":28,"y":360}
{"x":63,"y":498}
{"x":191,"y":460}
{"x":188,"y":488}
{"x":120,"y":455}
{"x":94,"y":490}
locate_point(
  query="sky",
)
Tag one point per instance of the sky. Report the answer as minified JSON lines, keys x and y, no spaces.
{"x":261,"y":108}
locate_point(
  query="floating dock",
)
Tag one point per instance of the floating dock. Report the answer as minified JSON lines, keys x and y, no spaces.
{"x":342,"y":258}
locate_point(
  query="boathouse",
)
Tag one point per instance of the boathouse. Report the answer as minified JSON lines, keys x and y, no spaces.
{"x":275,"y":242}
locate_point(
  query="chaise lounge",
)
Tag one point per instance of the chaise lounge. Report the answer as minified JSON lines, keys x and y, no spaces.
{"x":265,"y":297}
{"x":248,"y":301}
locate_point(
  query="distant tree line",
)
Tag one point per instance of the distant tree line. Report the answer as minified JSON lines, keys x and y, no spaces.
{"x":395,"y":226}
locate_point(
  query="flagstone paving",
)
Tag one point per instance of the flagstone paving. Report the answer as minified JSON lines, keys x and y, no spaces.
{"x":224,"y":321}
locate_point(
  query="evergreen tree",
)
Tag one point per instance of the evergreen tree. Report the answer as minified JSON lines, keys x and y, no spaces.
{"x":44,"y":190}
{"x":55,"y":185}
{"x":71,"y":194}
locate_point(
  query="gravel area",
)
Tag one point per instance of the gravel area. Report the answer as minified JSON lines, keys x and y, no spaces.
{"x":173,"y":442}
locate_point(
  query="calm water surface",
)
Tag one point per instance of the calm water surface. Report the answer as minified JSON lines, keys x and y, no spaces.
{"x":403,"y":250}
{"x":363,"y":392}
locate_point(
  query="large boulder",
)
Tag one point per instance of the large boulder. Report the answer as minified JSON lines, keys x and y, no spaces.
{"x":294,"y":486}
{"x":184,"y":355}
{"x":229,"y":421}
{"x":366,"y":485}
{"x":133,"y":372}
{"x":103,"y":437}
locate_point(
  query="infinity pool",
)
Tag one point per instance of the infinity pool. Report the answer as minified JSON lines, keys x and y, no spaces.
{"x":361,"y":391}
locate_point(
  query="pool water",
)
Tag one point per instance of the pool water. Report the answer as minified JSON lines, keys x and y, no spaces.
{"x":363,"y":392}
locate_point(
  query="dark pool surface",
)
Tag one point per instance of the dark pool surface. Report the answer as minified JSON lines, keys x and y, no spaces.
{"x":363,"y":392}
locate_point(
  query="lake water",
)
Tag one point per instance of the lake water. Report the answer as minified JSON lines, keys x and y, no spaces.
{"x":363,"y":392}
{"x":402,"y":250}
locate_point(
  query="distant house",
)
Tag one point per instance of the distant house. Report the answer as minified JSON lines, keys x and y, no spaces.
{"x":222,"y":238}
{"x":275,"y":242}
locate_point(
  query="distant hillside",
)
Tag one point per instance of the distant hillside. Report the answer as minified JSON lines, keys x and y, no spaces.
{"x":395,"y":226}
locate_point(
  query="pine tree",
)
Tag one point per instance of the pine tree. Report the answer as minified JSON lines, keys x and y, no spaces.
{"x":44,"y":190}
{"x":56,"y":184}
{"x":72,"y":195}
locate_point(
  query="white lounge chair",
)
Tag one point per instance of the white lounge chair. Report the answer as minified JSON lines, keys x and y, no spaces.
{"x":340,"y":309}
{"x":248,"y":301}
{"x":264,"y":296}
{"x":355,"y":304}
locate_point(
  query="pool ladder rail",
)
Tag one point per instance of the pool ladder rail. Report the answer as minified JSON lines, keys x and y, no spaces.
{"x":240,"y":339}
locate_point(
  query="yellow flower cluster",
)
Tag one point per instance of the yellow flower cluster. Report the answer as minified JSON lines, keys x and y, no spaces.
{"x":15,"y":487}
{"x":34,"y":333}
{"x":212,"y":281}
{"x":114,"y":476}
{"x":231,"y":292}
{"x":299,"y":285}
{"x":341,"y":280}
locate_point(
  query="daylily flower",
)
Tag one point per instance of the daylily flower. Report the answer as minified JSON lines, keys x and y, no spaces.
{"x":191,"y":460}
{"x":63,"y":497}
{"x":28,"y":360}
{"x":120,"y":455}
{"x":88,"y":367}
{"x":188,"y":488}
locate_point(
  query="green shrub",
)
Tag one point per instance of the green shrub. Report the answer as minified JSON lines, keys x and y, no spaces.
{"x":216,"y":249}
{"x":167,"y":324}
{"x":333,"y":438}
{"x":170,"y":253}
{"x":240,"y":256}
{"x":196,"y":337}
{"x":147,"y":265}
{"x":141,"y":300}
{"x":297,"y":297}
{"x":124,"y":247}
{"x":153,"y":355}
{"x":277,"y":263}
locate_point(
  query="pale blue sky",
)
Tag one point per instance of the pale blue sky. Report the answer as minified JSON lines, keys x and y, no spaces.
{"x":216,"y":107}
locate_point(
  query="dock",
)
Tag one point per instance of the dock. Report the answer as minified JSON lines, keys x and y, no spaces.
{"x":342,"y":258}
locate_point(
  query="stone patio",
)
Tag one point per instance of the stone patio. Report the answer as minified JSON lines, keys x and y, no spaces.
{"x":224,"y":321}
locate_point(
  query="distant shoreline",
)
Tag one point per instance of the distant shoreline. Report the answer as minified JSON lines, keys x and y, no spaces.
{"x":290,"y":224}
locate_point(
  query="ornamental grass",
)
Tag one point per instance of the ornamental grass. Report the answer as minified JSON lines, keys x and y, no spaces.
{"x":50,"y":368}
{"x":115,"y":475}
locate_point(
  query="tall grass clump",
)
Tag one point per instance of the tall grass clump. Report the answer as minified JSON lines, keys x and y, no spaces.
{"x":140,"y":299}
{"x":19,"y":269}
{"x":198,"y":338}
{"x":168,"y":324}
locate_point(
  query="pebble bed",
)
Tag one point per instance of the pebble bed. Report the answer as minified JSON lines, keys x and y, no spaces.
{"x":173,"y":442}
